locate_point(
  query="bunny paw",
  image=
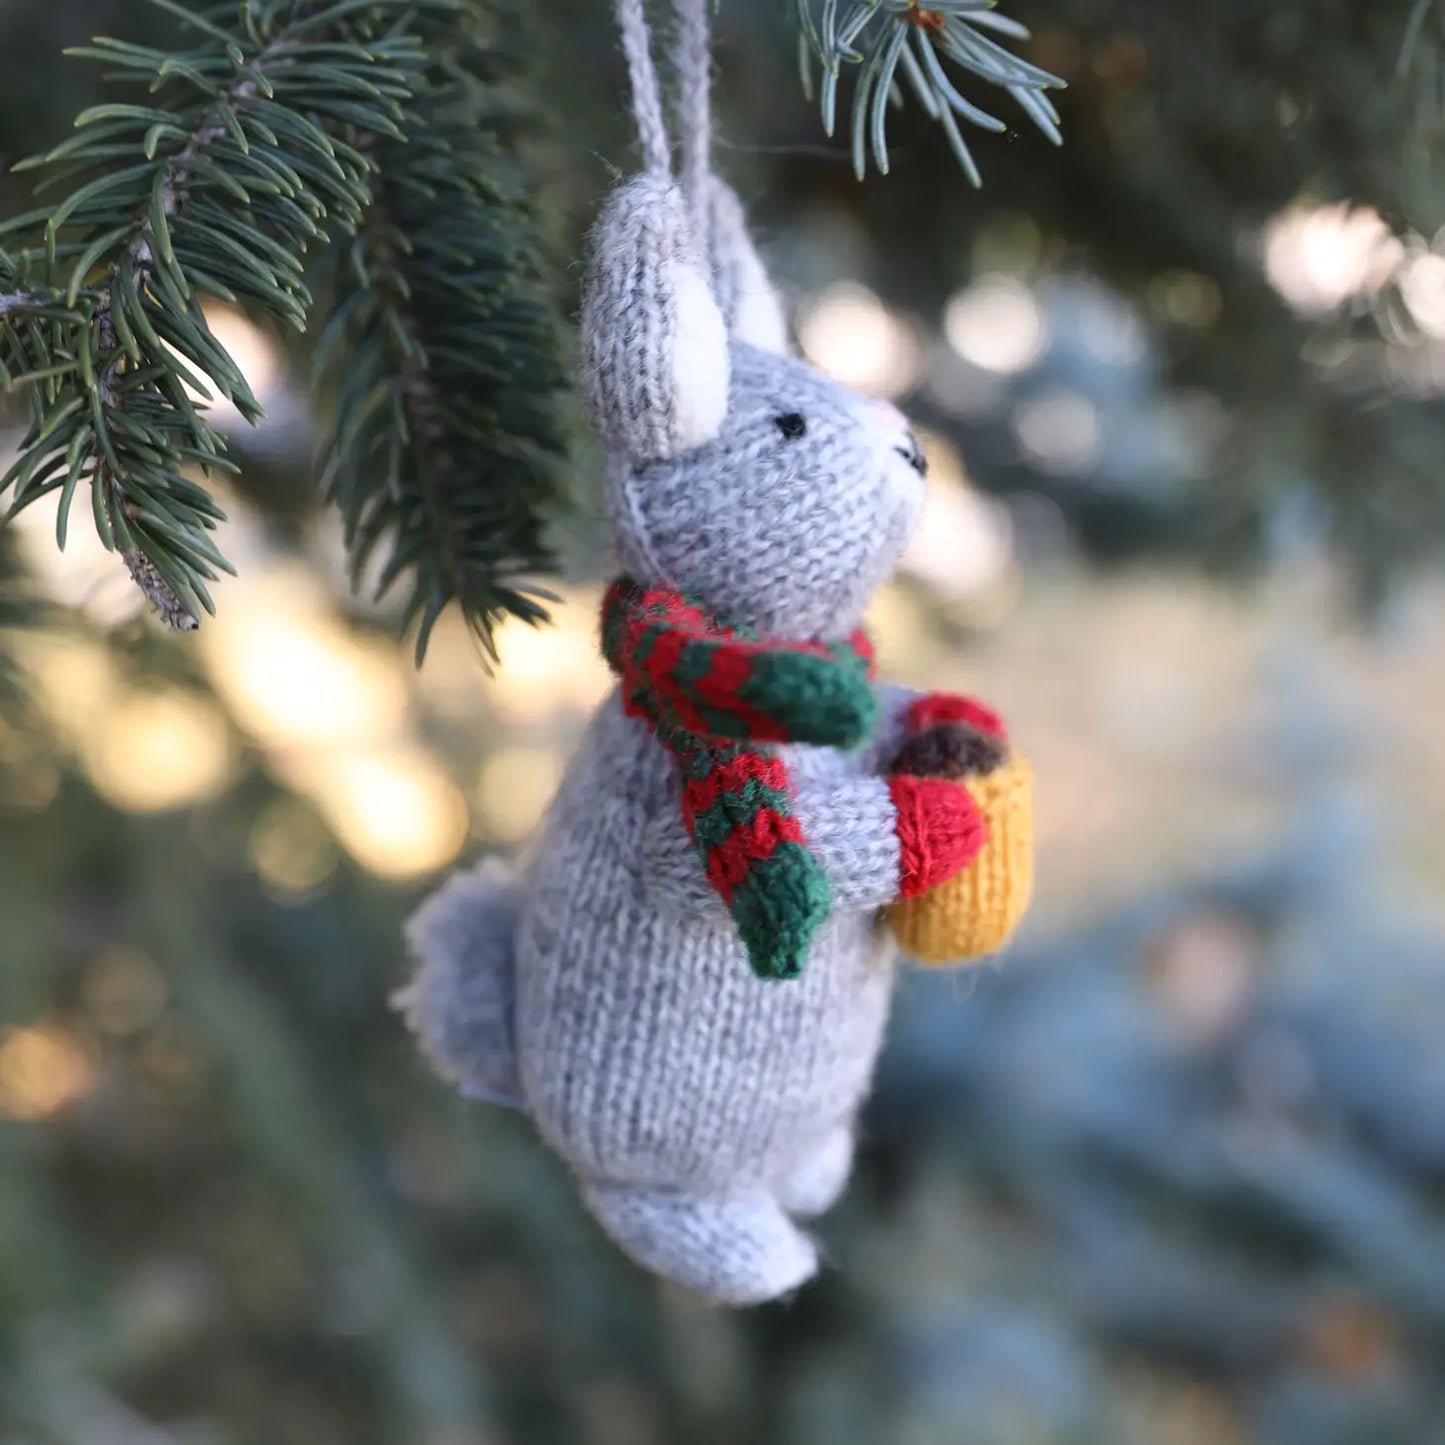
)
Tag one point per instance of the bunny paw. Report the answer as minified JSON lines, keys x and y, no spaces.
{"x":940,"y":832}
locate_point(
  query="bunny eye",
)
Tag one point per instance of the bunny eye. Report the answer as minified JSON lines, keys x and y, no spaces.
{"x":792,"y":424}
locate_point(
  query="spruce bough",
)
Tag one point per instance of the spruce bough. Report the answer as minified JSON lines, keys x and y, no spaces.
{"x":379,"y":145}
{"x":377,"y":138}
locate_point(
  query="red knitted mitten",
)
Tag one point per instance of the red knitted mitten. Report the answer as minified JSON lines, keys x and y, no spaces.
{"x":940,"y":832}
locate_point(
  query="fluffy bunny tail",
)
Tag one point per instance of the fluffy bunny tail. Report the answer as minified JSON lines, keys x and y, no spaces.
{"x":459,"y":1002}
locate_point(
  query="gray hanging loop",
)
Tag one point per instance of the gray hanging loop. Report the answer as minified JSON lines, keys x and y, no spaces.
{"x":646,"y":96}
{"x":693,"y":62}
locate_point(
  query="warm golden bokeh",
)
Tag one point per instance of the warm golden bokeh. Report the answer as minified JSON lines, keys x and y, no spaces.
{"x":159,"y":750}
{"x":42,"y":1070}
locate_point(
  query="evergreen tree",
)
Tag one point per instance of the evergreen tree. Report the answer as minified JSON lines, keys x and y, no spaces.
{"x":1179,"y":1179}
{"x":371,"y":173}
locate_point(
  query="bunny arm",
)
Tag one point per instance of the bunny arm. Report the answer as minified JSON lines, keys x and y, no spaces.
{"x":878,"y":839}
{"x":851,"y":828}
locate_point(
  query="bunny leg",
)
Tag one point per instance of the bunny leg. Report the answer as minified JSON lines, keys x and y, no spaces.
{"x":738,"y":1251}
{"x":459,"y":1002}
{"x":815,"y":1181}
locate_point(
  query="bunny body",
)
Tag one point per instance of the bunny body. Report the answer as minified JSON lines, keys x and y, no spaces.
{"x":604,"y":987}
{"x":702,"y":1082}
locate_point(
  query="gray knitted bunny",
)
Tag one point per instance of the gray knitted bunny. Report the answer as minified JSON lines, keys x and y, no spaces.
{"x":603,"y":985}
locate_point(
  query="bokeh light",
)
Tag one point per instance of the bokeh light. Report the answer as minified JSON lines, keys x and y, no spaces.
{"x":997,"y":324}
{"x":42,"y":1070}
{"x":159,"y":750}
{"x":849,"y":333}
{"x":1185,"y":298}
{"x":515,"y":787}
{"x":124,"y":990}
{"x":1422,"y":285}
{"x":1111,"y":331}
{"x":396,"y":811}
{"x":294,"y":675}
{"x":291,"y":850}
{"x":75,"y":680}
{"x":1318,"y":257}
{"x":552,"y":670}
{"x":1060,"y":430}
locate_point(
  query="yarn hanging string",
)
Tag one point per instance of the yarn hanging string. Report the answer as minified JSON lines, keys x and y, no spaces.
{"x":692,"y":65}
{"x":692,"y":61}
{"x":714,"y":697}
{"x":647,"y":114}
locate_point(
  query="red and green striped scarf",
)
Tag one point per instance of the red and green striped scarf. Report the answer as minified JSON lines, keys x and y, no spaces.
{"x":715,"y":695}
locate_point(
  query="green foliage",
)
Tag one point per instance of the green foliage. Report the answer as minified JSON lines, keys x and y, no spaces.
{"x":387,"y":135}
{"x":894,"y":40}
{"x":1092,"y":1205}
{"x":19,"y":610}
{"x":442,"y":352}
{"x":257,"y":145}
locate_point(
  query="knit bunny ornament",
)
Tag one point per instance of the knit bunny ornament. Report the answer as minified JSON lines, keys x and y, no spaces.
{"x":602,"y":986}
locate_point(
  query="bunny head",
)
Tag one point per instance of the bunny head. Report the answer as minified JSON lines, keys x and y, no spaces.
{"x":737,"y":473}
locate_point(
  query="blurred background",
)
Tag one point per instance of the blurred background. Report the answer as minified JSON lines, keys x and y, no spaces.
{"x":1172,"y":1172}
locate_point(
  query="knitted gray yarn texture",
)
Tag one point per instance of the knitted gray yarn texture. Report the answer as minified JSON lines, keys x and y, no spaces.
{"x":600,"y":984}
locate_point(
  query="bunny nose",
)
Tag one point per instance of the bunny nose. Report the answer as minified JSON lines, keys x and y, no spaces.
{"x":912,"y":453}
{"x":908,"y":446}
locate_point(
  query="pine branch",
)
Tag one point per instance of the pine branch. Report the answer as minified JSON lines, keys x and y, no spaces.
{"x":261,"y":144}
{"x":893,"y":42}
{"x":441,"y":353}
{"x":227,"y":185}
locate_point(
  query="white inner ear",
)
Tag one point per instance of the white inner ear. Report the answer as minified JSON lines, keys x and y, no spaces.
{"x":699,"y":359}
{"x":758,"y":317}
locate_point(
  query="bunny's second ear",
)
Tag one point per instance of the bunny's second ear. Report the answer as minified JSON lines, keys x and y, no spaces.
{"x":751,"y":306}
{"x":654,"y":347}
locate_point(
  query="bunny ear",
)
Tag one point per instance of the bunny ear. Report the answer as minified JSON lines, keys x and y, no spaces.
{"x":750,"y":304}
{"x":654,"y":347}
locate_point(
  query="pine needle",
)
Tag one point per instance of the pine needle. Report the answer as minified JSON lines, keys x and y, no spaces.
{"x":281,"y":124}
{"x":880,"y":36}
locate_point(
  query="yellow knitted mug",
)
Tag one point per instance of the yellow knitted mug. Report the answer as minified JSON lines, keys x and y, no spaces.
{"x":976,"y":911}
